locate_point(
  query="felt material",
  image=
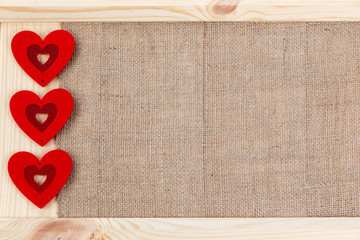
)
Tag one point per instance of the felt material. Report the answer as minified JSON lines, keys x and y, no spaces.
{"x":34,"y":50}
{"x":32,"y":110}
{"x":57,"y":103}
{"x":213,"y":120}
{"x":31,"y":171}
{"x":23,"y":166}
{"x":27,"y":45}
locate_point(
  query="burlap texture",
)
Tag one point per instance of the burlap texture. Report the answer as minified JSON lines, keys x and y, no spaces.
{"x":213,"y":120}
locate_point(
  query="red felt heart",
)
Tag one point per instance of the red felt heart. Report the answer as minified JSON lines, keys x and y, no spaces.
{"x":24,"y":105}
{"x":23,"y":166}
{"x":27,"y":45}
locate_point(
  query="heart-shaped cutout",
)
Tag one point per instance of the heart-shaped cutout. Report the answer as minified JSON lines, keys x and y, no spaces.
{"x":43,"y":58}
{"x":26,"y":105}
{"x":40,"y":179}
{"x":30,"y":172}
{"x":41,"y":117}
{"x":24,"y":166}
{"x":26,"y":46}
{"x":33,"y":113}
{"x":34,"y":51}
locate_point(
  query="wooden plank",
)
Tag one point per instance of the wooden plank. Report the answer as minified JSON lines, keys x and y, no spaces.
{"x":38,"y":228}
{"x":171,"y":229}
{"x":179,"y":10}
{"x":12,"y":139}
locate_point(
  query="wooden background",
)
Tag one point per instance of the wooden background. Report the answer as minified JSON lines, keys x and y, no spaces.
{"x":178,"y":10}
{"x":19,"y":218}
{"x":180,"y":229}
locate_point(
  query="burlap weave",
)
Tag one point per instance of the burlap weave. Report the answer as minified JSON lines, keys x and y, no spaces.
{"x":213,"y":120}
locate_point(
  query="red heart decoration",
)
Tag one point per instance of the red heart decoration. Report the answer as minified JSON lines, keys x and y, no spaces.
{"x":23,"y":166}
{"x":24,"y":105}
{"x":27,"y":45}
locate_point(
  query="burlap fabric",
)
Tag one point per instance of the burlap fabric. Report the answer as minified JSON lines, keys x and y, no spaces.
{"x":213,"y":120}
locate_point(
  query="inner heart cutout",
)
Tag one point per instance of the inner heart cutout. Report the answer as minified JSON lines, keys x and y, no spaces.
{"x":27,"y":46}
{"x":31,"y":171}
{"x":26,"y":105}
{"x":34,"y":51}
{"x":24,"y":166}
{"x":39,"y":179}
{"x":32,"y":111}
{"x":43,"y":58}
{"x":41,"y":117}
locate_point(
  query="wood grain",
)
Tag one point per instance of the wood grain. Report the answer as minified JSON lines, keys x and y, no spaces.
{"x":179,"y":10}
{"x":12,"y":139}
{"x":171,"y":229}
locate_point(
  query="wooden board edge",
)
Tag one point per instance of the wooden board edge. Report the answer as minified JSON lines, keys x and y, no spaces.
{"x":176,"y":10}
{"x":182,"y":228}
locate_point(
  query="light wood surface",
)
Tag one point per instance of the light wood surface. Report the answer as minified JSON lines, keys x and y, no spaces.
{"x":179,"y":10}
{"x":12,"y":139}
{"x":176,"y":229}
